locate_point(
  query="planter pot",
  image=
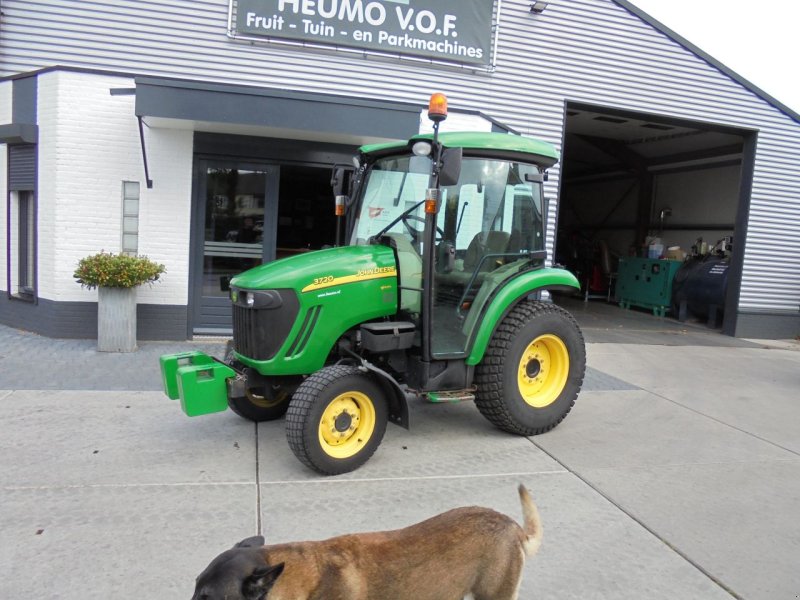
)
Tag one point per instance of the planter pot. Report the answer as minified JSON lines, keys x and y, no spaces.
{"x":116,"y":319}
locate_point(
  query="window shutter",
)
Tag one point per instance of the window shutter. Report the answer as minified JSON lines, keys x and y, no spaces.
{"x":21,"y":167}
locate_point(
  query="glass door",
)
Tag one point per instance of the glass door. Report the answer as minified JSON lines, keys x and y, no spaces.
{"x":235,"y":228}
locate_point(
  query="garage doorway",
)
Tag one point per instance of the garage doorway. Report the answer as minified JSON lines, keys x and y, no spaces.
{"x":637,"y":186}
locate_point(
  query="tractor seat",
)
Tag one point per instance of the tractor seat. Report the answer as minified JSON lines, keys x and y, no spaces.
{"x":484,"y":242}
{"x":410,"y":276}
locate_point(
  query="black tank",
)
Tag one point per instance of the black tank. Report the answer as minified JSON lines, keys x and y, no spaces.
{"x":701,"y":282}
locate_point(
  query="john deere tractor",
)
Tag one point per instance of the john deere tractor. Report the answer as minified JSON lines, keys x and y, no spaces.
{"x":433,"y":292}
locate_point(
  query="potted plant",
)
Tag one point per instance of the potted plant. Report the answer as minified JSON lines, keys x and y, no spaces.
{"x":116,"y":277}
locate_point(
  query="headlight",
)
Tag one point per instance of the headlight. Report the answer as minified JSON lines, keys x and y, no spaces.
{"x":422,"y":148}
{"x":267,"y":299}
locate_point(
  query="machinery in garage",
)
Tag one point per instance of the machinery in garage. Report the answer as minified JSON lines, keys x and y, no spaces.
{"x":701,"y":284}
{"x":434,"y":296}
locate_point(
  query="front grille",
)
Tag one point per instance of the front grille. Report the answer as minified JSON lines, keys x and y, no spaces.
{"x":258,"y":333}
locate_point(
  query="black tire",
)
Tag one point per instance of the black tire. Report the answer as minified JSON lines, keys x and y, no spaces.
{"x":351,"y":438}
{"x":264,"y":403}
{"x":524,"y":387}
{"x":261,"y":404}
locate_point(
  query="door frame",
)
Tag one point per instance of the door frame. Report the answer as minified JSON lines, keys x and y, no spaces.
{"x":200,"y":166}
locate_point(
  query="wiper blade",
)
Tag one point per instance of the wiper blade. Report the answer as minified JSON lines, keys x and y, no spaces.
{"x":396,"y":221}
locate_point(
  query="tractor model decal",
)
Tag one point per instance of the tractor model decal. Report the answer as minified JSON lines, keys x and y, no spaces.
{"x":320,"y":283}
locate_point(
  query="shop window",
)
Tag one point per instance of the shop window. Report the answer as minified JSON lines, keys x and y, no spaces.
{"x":130,"y":217}
{"x":23,"y":244}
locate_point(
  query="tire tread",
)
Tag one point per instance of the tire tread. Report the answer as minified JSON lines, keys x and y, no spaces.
{"x":489,"y":374}
{"x":300,"y":407}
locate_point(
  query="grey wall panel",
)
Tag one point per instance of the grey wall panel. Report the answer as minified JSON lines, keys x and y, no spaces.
{"x":162,"y":322}
{"x":23,"y":100}
{"x":590,"y":51}
{"x":78,"y":320}
{"x":767,"y":326}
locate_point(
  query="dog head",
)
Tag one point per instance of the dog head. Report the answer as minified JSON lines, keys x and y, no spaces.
{"x":240,"y":573}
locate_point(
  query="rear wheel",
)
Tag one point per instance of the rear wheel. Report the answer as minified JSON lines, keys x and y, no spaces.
{"x":336,"y":420}
{"x":533,"y":369}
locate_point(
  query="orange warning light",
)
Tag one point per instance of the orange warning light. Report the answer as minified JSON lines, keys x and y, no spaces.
{"x":432,"y":201}
{"x":437,"y":107}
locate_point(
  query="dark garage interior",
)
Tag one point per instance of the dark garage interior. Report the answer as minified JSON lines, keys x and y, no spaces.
{"x":649,"y":210}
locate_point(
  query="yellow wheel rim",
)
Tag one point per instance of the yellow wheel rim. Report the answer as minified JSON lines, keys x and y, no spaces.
{"x":347,"y":425}
{"x":263,"y":401}
{"x":543,"y":370}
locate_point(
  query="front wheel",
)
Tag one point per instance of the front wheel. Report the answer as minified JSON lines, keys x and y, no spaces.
{"x":267,"y":401}
{"x":336,"y":420}
{"x":264,"y":403}
{"x":533,"y":369}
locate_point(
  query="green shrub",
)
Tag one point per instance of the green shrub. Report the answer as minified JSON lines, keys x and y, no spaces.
{"x":116,"y":270}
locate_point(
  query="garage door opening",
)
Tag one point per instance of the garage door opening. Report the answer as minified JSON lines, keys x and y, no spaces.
{"x":648,"y":212}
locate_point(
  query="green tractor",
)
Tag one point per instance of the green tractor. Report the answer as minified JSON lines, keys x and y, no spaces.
{"x":435,"y":295}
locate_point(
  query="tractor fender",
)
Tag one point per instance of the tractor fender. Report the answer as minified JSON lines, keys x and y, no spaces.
{"x":396,"y":395}
{"x":506,"y":297}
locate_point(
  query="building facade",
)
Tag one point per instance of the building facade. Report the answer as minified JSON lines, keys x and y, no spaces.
{"x":202,"y":135}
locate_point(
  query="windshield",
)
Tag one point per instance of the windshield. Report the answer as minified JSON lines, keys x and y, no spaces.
{"x":491,"y":195}
{"x":394,"y":186}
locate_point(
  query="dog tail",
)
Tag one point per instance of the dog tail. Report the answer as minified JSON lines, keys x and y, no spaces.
{"x":532,"y":524}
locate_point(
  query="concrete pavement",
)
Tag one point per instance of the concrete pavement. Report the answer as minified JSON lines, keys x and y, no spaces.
{"x":677,"y":474}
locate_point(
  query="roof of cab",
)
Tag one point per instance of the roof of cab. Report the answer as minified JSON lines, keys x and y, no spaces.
{"x":488,"y":143}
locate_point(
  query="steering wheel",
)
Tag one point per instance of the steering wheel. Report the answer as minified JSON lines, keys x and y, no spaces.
{"x":416,"y":234}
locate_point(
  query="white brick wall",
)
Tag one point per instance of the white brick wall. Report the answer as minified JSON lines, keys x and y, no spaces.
{"x":47,"y":184}
{"x":89,"y":144}
{"x":165,"y":213}
{"x":5,"y":118}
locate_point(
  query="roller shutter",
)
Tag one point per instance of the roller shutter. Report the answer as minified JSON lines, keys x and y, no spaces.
{"x":22,"y":167}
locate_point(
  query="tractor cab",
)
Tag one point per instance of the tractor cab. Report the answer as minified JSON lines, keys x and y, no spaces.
{"x":489,"y":224}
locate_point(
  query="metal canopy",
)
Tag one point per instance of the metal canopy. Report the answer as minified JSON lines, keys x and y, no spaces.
{"x":220,"y":108}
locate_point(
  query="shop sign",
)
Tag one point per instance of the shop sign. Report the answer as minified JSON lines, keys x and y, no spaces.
{"x":449,"y":30}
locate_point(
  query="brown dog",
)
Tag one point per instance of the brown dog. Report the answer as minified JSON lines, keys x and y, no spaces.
{"x":464,"y":551}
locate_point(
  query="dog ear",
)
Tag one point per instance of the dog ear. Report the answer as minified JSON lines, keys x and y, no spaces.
{"x":260,"y":582}
{"x":252,"y":542}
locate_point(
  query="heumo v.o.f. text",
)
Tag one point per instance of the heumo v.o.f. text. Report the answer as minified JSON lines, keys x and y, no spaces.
{"x":373,"y":24}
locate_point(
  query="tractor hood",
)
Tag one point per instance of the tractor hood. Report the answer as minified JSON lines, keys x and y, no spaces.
{"x":303,"y":304}
{"x":321,"y":270}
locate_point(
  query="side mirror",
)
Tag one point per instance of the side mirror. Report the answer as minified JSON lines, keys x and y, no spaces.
{"x":451,"y":166}
{"x":340,"y":179}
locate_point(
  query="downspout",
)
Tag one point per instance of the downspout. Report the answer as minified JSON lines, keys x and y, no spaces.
{"x":144,"y":155}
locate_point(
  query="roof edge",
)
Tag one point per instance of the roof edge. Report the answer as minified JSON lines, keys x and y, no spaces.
{"x":488,"y":142}
{"x":638,"y":12}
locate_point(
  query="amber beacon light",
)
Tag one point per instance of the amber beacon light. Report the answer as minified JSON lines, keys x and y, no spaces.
{"x":437,"y":108}
{"x":340,"y":205}
{"x":432,"y":201}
